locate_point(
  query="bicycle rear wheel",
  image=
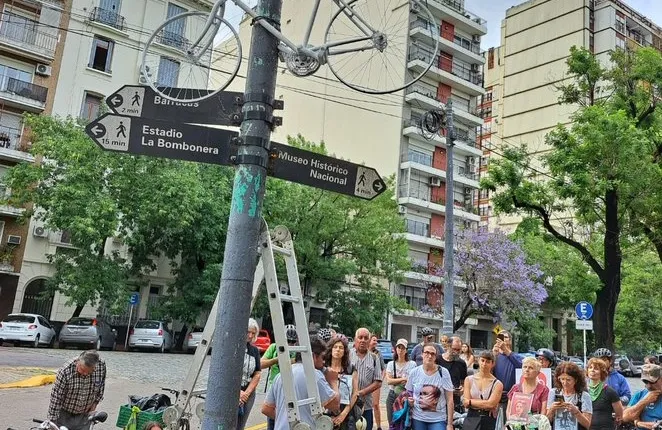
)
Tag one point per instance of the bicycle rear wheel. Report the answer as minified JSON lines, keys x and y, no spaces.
{"x":378,"y":65}
{"x":182,"y":71}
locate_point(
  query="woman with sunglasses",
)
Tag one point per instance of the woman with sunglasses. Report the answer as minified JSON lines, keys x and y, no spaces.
{"x":397,"y":372}
{"x":430,"y":392}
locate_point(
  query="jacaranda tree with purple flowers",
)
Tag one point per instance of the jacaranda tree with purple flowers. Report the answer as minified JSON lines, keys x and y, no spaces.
{"x":497,"y":279}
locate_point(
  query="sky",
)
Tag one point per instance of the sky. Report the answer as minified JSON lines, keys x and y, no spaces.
{"x":494,"y":11}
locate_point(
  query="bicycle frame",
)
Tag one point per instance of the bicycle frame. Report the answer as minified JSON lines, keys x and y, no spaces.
{"x":361,"y":24}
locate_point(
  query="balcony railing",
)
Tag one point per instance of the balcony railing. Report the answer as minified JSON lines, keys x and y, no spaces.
{"x":467,"y":136}
{"x":459,"y":104}
{"x":418,"y":191}
{"x":27,"y":32}
{"x":108,"y":17}
{"x":459,"y":41}
{"x":458,"y":69}
{"x":418,"y":228}
{"x":173,"y":39}
{"x":458,"y":5}
{"x":9,"y":138}
{"x":419,"y":89}
{"x":23,"y":89}
{"x":417,"y":157}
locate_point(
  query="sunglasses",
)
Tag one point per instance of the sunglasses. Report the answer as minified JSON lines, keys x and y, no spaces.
{"x":429,"y":353}
{"x":647,"y":382}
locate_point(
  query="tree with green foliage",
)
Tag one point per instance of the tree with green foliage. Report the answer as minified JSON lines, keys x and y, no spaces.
{"x":596,"y":168}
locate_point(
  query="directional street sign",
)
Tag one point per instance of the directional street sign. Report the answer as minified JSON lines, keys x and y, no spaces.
{"x":328,"y":173}
{"x":140,"y":136}
{"x":584,"y":310}
{"x":142,"y":101}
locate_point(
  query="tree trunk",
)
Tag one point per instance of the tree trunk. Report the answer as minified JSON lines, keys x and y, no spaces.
{"x":607,"y":297}
{"x":179,"y":345}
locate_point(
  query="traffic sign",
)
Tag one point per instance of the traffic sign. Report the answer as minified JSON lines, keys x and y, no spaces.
{"x":584,"y":310}
{"x":584,"y":324}
{"x":142,"y":101}
{"x":139,"y":136}
{"x":328,"y":173}
{"x":134,"y":298}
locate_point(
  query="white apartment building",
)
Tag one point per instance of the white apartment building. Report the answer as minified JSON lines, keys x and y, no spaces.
{"x":382,"y":131}
{"x":101,"y":52}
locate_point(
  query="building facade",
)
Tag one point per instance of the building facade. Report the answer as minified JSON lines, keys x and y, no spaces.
{"x":100,"y":50}
{"x":32,"y":38}
{"x":383,"y":131}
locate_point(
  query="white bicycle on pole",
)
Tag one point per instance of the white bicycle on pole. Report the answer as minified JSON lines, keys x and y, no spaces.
{"x":194,"y":55}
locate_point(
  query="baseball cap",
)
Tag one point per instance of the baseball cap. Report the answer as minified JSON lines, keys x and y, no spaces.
{"x":402,"y":342}
{"x":651,"y":372}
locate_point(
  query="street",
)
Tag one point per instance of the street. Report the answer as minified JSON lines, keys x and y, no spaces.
{"x":128,"y":373}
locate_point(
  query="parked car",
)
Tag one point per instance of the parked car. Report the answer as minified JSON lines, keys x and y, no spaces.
{"x":385,"y":348}
{"x":86,"y":331}
{"x":150,"y":334}
{"x":578,"y":361}
{"x":193,"y":339}
{"x":636,"y":368}
{"x":263,"y":341}
{"x":31,"y":329}
{"x":624,"y":366}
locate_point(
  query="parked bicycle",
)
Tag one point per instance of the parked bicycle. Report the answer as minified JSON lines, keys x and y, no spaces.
{"x":194,"y":55}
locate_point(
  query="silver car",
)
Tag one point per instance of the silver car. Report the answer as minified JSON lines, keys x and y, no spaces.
{"x":27,"y":328}
{"x":193,"y":339}
{"x":87,"y":332}
{"x":150,"y":334}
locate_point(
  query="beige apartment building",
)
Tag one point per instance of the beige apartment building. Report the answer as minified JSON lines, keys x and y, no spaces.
{"x":522,"y":73}
{"x":100,"y":50}
{"x":382,"y":132}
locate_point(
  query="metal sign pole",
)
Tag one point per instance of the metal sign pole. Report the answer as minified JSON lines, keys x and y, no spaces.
{"x":584,"y":348}
{"x":449,"y":290}
{"x":128,"y":327}
{"x":241,"y":246}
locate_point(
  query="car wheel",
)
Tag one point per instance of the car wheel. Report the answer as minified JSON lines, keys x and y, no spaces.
{"x":35,"y":344}
{"x":98,"y":345}
{"x":163,"y":348}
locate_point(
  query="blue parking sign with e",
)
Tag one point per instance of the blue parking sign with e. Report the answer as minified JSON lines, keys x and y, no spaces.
{"x":584,"y":310}
{"x":134,"y":298}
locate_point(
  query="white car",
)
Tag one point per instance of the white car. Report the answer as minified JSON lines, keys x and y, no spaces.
{"x":27,"y":328}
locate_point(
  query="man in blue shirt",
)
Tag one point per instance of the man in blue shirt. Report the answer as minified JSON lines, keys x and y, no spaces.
{"x":615,"y":379}
{"x":645,"y":407}
{"x":506,"y":363}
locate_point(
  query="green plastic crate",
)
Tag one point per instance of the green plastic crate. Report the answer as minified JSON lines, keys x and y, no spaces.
{"x":143,"y":417}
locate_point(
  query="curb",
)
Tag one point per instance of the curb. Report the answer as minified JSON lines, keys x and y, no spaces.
{"x":42,"y":377}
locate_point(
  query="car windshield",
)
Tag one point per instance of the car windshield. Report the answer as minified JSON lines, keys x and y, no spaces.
{"x":81,"y":321}
{"x":19,"y":319}
{"x":148,"y":324}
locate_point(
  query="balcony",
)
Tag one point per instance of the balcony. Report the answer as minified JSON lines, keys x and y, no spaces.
{"x":22,"y":94}
{"x":173,"y":39}
{"x":28,"y":38}
{"x":457,"y":75}
{"x":107,"y":17}
{"x":419,"y":232}
{"x":460,"y":47}
{"x":454,"y":12}
{"x":426,"y":272}
{"x":426,"y":98}
{"x":419,"y":198}
{"x":412,"y":129}
{"x":10,"y":145}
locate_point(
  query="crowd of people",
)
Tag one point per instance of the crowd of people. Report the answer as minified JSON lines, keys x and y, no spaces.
{"x":427,"y":388}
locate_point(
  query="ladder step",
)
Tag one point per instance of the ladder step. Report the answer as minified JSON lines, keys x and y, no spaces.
{"x":289,"y":299}
{"x":282,"y":251}
{"x":299,"y":349}
{"x":306,"y":402}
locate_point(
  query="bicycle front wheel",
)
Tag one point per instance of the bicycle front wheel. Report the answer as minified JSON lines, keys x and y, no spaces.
{"x":367,"y":44}
{"x":186,"y":61}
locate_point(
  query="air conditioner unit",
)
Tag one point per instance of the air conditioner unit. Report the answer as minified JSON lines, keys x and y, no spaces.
{"x":13,"y":240}
{"x":468,"y":190}
{"x":40,"y":231}
{"x":435,"y":181}
{"x":471,"y":160}
{"x":475,"y":67}
{"x":472,"y":168}
{"x":402,"y":210}
{"x":43,"y":69}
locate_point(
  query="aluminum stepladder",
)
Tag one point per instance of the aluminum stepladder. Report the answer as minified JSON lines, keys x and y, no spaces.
{"x":275,"y":242}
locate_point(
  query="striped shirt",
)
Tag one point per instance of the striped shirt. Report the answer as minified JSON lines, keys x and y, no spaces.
{"x":75,"y":393}
{"x":369,"y":370}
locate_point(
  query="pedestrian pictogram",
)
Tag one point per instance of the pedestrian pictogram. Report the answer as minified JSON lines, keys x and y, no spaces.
{"x":135,"y":101}
{"x":121,"y":130}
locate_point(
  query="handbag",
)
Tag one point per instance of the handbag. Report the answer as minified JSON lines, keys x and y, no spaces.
{"x":480,"y":420}
{"x":357,"y":409}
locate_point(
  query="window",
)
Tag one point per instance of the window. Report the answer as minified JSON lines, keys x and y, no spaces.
{"x":91,"y":107}
{"x":168,"y":72}
{"x":173,"y":33}
{"x":102,"y":54}
{"x":620,"y":42}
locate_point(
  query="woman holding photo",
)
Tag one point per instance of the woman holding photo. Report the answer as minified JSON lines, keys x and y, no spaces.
{"x":531,"y":385}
